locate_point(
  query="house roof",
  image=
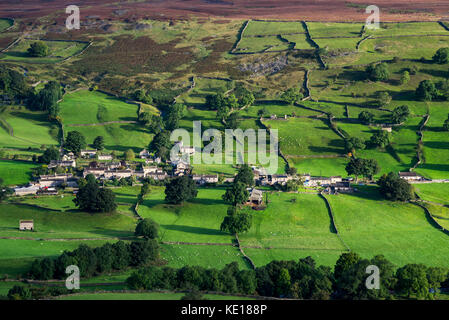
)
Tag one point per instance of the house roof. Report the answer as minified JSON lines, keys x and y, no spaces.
{"x":408,"y":174}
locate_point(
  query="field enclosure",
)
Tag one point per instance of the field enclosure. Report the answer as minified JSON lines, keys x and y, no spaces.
{"x":58,"y":51}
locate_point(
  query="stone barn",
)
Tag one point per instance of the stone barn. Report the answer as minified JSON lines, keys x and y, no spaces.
{"x":26,"y":225}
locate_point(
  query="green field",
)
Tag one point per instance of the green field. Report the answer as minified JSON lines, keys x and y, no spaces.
{"x":89,"y":107}
{"x":404,"y":29}
{"x":53,"y":224}
{"x":435,"y":192}
{"x":21,"y":128}
{"x":272,"y":28}
{"x":261,"y":44}
{"x":331,"y":29}
{"x":58,"y":51}
{"x":401,"y":232}
{"x":15,"y":172}
{"x":306,"y":137}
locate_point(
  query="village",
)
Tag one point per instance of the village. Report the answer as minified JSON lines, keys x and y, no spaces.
{"x":106,"y":169}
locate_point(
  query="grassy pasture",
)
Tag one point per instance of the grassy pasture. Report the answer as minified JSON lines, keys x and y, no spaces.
{"x":71,"y":224}
{"x":320,"y":166}
{"x":16,"y":256}
{"x":300,"y":136}
{"x":15,"y":172}
{"x":436,"y":145}
{"x":88,"y":107}
{"x":191,"y":222}
{"x":255,"y":28}
{"x":300,"y":41}
{"x":401,"y":232}
{"x":293,"y":221}
{"x":261,"y":44}
{"x":405,"y":29}
{"x":208,"y":256}
{"x":118,"y":137}
{"x":435,"y":192}
{"x":338,"y":43}
{"x":29,"y":128}
{"x":331,"y":29}
{"x":59,"y":50}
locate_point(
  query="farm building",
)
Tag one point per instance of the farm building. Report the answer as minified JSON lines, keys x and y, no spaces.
{"x":203,"y":179}
{"x":25,"y":225}
{"x":410,"y":176}
{"x":59,"y":163}
{"x":105,"y":157}
{"x":144,"y":154}
{"x":339,"y":187}
{"x":23,"y":191}
{"x":255,"y":197}
{"x":57,"y":180}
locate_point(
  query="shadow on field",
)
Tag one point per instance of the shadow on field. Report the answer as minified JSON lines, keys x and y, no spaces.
{"x":190,"y":229}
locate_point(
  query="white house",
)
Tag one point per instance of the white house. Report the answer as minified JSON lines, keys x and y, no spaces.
{"x":105,"y":157}
{"x":144,"y":154}
{"x":410,"y":176}
{"x":26,"y":225}
{"x":59,"y":163}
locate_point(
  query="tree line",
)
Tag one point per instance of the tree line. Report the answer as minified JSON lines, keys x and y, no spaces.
{"x":301,"y":279}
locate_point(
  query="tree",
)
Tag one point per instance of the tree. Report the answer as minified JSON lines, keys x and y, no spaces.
{"x":105,"y":257}
{"x":142,"y":252}
{"x":383,"y":99}
{"x":380,"y":139}
{"x":147,"y":228}
{"x":441,"y":56}
{"x":291,"y":171}
{"x":19,"y":293}
{"x":98,"y":143}
{"x":400,"y":114}
{"x":236,"y":194}
{"x":193,"y":294}
{"x":38,"y":49}
{"x":345,"y":262}
{"x":180,"y":189}
{"x":49,"y":154}
{"x":129,"y":155}
{"x":245,"y":175}
{"x":283,"y":283}
{"x":75,"y":142}
{"x":174,"y":115}
{"x":426,"y":91}
{"x":378,"y":72}
{"x":446,"y":124}
{"x":161,"y":145}
{"x":233,"y":121}
{"x":362,"y":167}
{"x":5,"y":192}
{"x":215,"y":101}
{"x":236,"y":222}
{"x":291,"y":96}
{"x":394,"y":188}
{"x":412,"y":280}
{"x":13,"y":84}
{"x":142,"y":96}
{"x":354,"y":143}
{"x":366,"y":117}
{"x":47,"y":99}
{"x":91,"y":198}
{"x":405,"y":77}
{"x":121,"y":255}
